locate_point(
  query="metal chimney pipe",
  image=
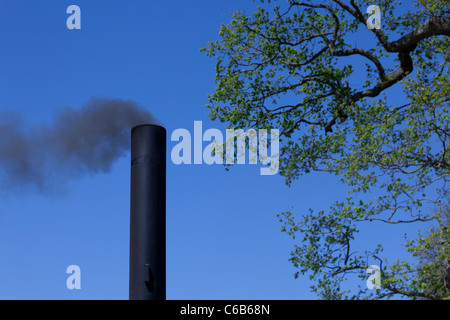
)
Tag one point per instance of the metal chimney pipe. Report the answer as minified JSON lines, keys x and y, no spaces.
{"x":148,"y":213}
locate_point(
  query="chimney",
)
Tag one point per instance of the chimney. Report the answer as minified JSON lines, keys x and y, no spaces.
{"x":148,"y":213}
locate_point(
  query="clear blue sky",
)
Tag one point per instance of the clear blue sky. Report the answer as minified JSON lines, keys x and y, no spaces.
{"x":223,"y":236}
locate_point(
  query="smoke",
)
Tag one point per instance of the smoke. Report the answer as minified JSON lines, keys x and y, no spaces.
{"x":80,"y":141}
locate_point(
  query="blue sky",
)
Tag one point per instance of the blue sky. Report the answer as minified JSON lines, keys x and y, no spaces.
{"x":223,"y":236}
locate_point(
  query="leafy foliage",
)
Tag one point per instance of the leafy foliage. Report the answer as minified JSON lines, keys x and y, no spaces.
{"x":293,"y":66}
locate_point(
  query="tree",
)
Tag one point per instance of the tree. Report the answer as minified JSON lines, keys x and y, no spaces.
{"x":367,"y":105}
{"x":432,"y":252}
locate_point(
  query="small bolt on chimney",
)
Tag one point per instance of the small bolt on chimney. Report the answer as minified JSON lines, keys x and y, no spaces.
{"x":148,"y":213}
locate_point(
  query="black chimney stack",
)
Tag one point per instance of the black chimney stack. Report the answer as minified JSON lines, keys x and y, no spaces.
{"x":148,"y":213}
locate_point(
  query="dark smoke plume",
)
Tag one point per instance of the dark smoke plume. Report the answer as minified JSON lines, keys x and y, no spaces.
{"x":80,"y":141}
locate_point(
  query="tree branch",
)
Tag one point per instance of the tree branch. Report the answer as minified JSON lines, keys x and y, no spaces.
{"x":433,"y":27}
{"x":404,"y":46}
{"x":364,"y":53}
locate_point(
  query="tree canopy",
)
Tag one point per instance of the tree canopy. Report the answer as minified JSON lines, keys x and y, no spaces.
{"x":367,"y":105}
